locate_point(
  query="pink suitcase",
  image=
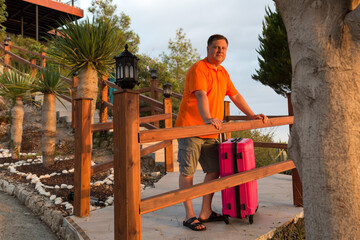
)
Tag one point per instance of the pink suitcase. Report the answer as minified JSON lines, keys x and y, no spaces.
{"x":239,"y":201}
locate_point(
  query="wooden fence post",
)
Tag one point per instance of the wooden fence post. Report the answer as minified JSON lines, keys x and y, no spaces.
{"x":73,"y":102}
{"x":296,"y":181}
{"x":43,"y":60}
{"x":127,"y":196}
{"x":7,"y":57}
{"x":169,"y":154}
{"x":227,"y":113}
{"x":104,"y":98}
{"x":82,"y":157}
{"x":154,"y":95}
{"x":33,"y":70}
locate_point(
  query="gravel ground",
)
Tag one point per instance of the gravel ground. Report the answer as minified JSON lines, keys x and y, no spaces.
{"x":17,"y":222}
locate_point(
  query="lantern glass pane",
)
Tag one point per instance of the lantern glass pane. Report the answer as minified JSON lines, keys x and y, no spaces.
{"x":131,"y":72}
{"x":126,"y":71}
{"x":121,"y":72}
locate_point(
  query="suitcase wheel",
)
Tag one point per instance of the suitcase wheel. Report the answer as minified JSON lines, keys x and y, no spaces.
{"x":251,"y":219}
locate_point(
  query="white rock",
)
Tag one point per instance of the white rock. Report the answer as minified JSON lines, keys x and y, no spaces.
{"x":12,"y":169}
{"x":52,"y":197}
{"x":109,"y":200}
{"x":44,"y":176}
{"x":70,"y":187}
{"x":58,"y":200}
{"x":71,"y":170}
{"x":65,"y":172}
{"x":109,"y":182}
{"x":98,"y":183}
{"x":69,"y":206}
{"x":6,"y":164}
{"x":142,"y":186}
{"x":57,"y":187}
{"x":53,"y":174}
{"x":29,"y":160}
{"x":155,"y":174}
{"x":1,"y":165}
{"x":29,"y":176}
{"x":63,"y":186}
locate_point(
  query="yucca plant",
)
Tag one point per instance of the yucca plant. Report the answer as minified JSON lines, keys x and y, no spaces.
{"x":15,"y":87}
{"x":89,"y":48}
{"x":51,"y":85}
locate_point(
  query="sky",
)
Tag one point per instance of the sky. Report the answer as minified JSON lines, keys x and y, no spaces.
{"x":156,"y":22}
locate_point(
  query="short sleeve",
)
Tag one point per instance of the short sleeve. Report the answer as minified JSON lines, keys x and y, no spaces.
{"x":197,"y":79}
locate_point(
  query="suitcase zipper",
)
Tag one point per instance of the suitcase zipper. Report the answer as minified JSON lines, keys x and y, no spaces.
{"x":236,"y":170}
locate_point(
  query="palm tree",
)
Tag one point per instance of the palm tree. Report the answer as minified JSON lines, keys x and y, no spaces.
{"x":89,"y":48}
{"x":51,"y":85}
{"x":15,"y":87}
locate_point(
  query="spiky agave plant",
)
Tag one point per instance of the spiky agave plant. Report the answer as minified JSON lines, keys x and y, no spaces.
{"x":89,"y":48}
{"x":49,"y":83}
{"x":15,"y":87}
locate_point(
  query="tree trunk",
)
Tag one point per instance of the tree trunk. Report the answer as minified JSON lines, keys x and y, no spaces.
{"x":88,"y":87}
{"x":324,"y":47}
{"x":48,"y":136}
{"x":17,"y":117}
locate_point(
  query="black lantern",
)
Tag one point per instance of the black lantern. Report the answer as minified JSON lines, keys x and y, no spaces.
{"x":153,"y":73}
{"x":7,"y":40}
{"x":126,"y":69}
{"x":167,"y":90}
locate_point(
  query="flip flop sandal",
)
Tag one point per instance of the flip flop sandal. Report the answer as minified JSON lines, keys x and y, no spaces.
{"x":193,"y":226}
{"x":214,"y":217}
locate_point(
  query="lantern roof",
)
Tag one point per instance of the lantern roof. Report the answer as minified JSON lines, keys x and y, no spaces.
{"x":126,"y":53}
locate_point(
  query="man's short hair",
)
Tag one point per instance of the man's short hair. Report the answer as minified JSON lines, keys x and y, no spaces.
{"x":216,"y":37}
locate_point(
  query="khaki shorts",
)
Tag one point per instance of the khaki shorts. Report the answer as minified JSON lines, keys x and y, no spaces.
{"x":193,"y":150}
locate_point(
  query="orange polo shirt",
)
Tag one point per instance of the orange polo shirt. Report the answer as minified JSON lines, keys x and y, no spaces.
{"x":216,"y":83}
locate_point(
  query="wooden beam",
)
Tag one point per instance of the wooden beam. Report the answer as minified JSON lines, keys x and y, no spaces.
{"x":154,"y":148}
{"x":182,"y":132}
{"x":82,"y":158}
{"x":160,"y":201}
{"x":102,"y":126}
{"x":243,"y":118}
{"x":127,"y":219}
{"x":154,"y":118}
{"x":271,"y":145}
{"x":169,"y":153}
{"x":101,"y":167}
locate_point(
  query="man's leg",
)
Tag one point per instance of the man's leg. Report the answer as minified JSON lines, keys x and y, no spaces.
{"x":185,"y":182}
{"x":206,"y":209}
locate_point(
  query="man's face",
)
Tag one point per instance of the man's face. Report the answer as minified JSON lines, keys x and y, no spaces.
{"x":216,"y":52}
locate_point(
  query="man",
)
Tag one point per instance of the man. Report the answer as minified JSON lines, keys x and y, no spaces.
{"x":206,"y":85}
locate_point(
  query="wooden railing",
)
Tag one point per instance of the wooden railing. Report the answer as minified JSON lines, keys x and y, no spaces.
{"x":127,"y":139}
{"x":128,"y":205}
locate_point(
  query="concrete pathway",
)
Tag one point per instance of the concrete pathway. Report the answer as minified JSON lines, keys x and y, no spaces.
{"x":275,"y":209}
{"x":17,"y":222}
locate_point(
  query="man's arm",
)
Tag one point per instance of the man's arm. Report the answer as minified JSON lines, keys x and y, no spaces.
{"x":240,"y":102}
{"x":204,"y":109}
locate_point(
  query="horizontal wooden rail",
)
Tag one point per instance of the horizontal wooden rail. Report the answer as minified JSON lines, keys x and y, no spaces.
{"x":149,"y":126}
{"x":145,"y":151}
{"x":154,"y":148}
{"x":154,"y":118}
{"x":143,"y":90}
{"x":153,"y":102}
{"x":112,"y":85}
{"x":234,"y":118}
{"x":160,"y":201}
{"x":109,"y":104}
{"x":175,"y":95}
{"x":182,"y":132}
{"x":26,"y":51}
{"x":101,"y":167}
{"x":145,"y":109}
{"x":271,"y":145}
{"x":142,"y":120}
{"x":102,"y":126}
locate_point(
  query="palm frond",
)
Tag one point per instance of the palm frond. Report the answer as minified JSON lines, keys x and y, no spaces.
{"x":14,"y":84}
{"x":85,"y":43}
{"x":49,"y":81}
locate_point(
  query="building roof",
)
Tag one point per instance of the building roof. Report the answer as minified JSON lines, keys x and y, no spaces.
{"x":49,"y":13}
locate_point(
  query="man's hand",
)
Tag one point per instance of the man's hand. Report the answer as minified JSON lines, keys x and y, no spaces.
{"x":214,"y":121}
{"x":261,"y":116}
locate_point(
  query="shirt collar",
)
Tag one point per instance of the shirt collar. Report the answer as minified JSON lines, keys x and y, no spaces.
{"x":220,"y":68}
